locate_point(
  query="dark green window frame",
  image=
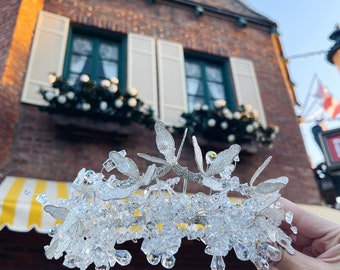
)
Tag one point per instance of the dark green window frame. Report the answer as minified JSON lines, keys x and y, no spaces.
{"x":203,"y":61}
{"x":97,"y":36}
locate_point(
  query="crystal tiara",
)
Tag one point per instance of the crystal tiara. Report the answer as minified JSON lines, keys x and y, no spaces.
{"x":103,"y":211}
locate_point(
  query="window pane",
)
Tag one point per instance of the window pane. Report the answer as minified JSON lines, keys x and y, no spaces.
{"x":73,"y":78}
{"x":194,"y":87}
{"x":82,"y":46}
{"x":214,"y":73}
{"x":80,"y":64}
{"x":216,"y":90}
{"x":108,"y":51}
{"x":192,"y":101}
{"x":108,"y":70}
{"x":192,"y":69}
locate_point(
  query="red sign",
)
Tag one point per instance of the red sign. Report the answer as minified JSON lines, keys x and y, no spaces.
{"x":330,"y":142}
{"x":333,"y":144}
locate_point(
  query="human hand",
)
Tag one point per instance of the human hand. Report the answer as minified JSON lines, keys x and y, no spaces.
{"x":317,"y":243}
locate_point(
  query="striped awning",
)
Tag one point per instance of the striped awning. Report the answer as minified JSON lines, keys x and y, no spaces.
{"x":20,"y":211}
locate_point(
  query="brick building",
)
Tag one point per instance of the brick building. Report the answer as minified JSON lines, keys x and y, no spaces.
{"x":153,"y":42}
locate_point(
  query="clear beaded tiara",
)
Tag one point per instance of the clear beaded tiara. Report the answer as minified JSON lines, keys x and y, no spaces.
{"x":104,"y":211}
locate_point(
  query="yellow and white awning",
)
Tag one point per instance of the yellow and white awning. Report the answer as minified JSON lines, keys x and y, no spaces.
{"x":20,"y":211}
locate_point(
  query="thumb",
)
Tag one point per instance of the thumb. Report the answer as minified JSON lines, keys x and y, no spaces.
{"x":297,"y":261}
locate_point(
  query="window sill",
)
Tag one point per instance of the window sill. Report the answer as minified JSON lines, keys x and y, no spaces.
{"x":79,"y":124}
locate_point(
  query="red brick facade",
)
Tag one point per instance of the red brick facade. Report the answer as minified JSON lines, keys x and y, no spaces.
{"x":32,"y":146}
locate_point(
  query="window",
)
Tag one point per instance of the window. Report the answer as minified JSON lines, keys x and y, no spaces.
{"x":164,"y":79}
{"x":99,"y":56}
{"x":206,"y":81}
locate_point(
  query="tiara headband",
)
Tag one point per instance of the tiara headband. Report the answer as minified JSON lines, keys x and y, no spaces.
{"x":104,"y":211}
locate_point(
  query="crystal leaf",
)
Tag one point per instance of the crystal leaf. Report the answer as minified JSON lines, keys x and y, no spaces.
{"x":271,"y":185}
{"x":259,"y":171}
{"x":198,"y":154}
{"x":181,"y":145}
{"x":125,"y":165}
{"x":56,"y":211}
{"x":148,"y":175}
{"x":165,"y":142}
{"x":212,"y":183}
{"x":223,"y":159}
{"x":152,"y":159}
{"x":217,"y":263}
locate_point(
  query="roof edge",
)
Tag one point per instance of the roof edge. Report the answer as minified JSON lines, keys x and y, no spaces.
{"x":266,"y":22}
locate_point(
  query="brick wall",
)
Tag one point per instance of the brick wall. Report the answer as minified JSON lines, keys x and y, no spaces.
{"x":17,"y":20}
{"x":42,"y":150}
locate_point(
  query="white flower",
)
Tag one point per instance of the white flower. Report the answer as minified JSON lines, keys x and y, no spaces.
{"x":49,"y":95}
{"x":52,"y":78}
{"x":273,"y":136}
{"x":114,"y":80}
{"x":227,"y":113}
{"x":256,"y":125}
{"x":132,"y":91}
{"x":211,"y":122}
{"x":61,"y":99}
{"x":118,"y":103}
{"x":113,"y":88}
{"x":219,"y":103}
{"x":103,"y":105}
{"x":250,"y":128}
{"x":248,"y":108}
{"x":105,"y":83}
{"x":231,"y":138}
{"x":237,"y":115}
{"x":224,"y":125}
{"x":70,"y":95}
{"x":84,"y":78}
{"x":205,"y":107}
{"x":86,"y":106}
{"x":276,"y":129}
{"x":197,"y":106}
{"x":132,"y":102}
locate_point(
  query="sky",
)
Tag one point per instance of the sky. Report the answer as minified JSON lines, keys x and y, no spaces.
{"x":305,"y":27}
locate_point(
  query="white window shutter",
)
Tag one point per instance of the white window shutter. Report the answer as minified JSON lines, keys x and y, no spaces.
{"x":47,"y":55}
{"x":246,"y":85}
{"x":171,"y":81}
{"x":142,"y":68}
